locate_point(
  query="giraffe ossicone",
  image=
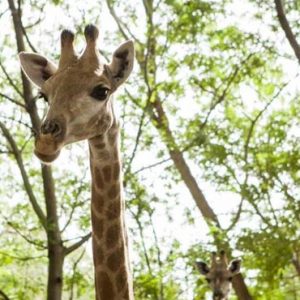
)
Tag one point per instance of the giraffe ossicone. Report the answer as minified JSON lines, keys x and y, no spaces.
{"x":219,"y":275}
{"x":79,"y":93}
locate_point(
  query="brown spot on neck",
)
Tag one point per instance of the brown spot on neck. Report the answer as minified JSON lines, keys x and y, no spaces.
{"x":107,"y":173}
{"x":106,"y":288}
{"x":114,"y":191}
{"x":98,"y":180}
{"x":113,"y":236}
{"x":114,"y":210}
{"x":114,"y":260}
{"x":98,"y":199}
{"x":121,"y":279}
{"x":99,"y":258}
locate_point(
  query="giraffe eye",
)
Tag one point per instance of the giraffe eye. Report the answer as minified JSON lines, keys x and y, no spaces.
{"x":99,"y":92}
{"x":230,"y":279}
{"x":43,"y":96}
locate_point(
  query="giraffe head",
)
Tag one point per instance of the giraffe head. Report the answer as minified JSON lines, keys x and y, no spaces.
{"x":219,"y":275}
{"x":78,"y":91}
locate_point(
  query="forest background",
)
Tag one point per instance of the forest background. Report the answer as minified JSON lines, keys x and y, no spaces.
{"x":210,"y":143}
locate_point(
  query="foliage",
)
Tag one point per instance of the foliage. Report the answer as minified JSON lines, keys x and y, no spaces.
{"x":231,"y":109}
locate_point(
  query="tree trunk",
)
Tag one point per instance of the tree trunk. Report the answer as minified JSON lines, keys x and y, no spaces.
{"x":55,"y":246}
{"x":56,"y":251}
{"x":161,"y":122}
{"x":55,"y":271}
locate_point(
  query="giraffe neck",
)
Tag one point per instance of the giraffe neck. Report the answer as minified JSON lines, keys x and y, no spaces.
{"x":110,"y":253}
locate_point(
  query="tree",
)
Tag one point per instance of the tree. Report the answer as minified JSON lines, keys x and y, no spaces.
{"x":211,"y":107}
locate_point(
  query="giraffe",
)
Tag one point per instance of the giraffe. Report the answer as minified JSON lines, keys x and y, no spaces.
{"x":80,"y":96}
{"x":219,"y":275}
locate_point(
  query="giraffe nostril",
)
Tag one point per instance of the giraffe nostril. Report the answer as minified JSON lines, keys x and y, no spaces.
{"x":218,"y":294}
{"x":51,"y":127}
{"x":56,"y":129}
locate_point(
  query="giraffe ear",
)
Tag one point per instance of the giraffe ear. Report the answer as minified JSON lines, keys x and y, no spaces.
{"x":122,"y":63}
{"x":235,"y":266}
{"x":36,"y":67}
{"x":202,"y":267}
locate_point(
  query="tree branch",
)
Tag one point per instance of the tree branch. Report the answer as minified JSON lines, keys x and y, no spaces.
{"x":27,"y":90}
{"x":38,"y":244}
{"x":75,"y":246}
{"x":22,"y":258}
{"x":152,"y":165}
{"x":12,"y":100}
{"x":73,"y":280}
{"x":127,"y":35}
{"x":27,"y":38}
{"x":136,"y":217}
{"x":11,"y":82}
{"x":3,"y":296}
{"x":137,"y":140}
{"x":37,"y":209}
{"x":76,"y":203}
{"x":287,"y":28}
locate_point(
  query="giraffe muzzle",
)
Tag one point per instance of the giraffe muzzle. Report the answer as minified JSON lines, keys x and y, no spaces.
{"x":46,"y":148}
{"x":50,"y":140}
{"x":218,"y":295}
{"x":46,"y":158}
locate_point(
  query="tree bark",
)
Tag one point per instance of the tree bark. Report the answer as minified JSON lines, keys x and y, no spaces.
{"x":55,"y":271}
{"x":55,"y":246}
{"x":162,"y":124}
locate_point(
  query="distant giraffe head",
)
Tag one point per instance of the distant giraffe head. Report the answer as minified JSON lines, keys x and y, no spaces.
{"x":78,"y":91}
{"x":219,"y":275}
